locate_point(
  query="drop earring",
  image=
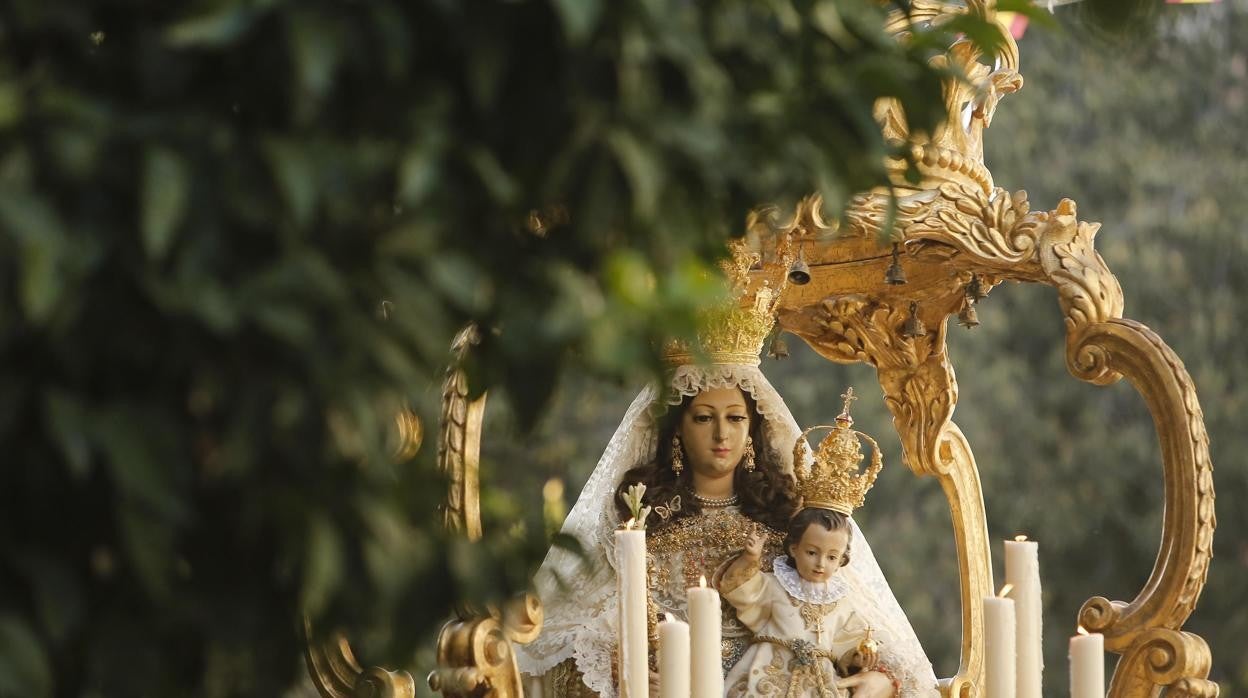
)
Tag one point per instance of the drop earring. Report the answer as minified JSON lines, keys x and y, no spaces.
{"x":749,"y":463}
{"x":678,"y":461}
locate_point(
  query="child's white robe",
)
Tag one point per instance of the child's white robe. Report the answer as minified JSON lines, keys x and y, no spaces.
{"x":773,"y":605}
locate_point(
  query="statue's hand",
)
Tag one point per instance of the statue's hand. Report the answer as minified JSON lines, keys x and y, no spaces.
{"x":869,"y":684}
{"x":754,"y":546}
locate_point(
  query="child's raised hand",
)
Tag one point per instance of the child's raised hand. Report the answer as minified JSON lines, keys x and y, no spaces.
{"x":754,"y":545}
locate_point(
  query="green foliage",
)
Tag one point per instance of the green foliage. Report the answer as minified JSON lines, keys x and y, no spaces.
{"x":202,"y":206}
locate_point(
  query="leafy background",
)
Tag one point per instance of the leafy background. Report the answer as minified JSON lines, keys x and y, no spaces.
{"x":203,"y":206}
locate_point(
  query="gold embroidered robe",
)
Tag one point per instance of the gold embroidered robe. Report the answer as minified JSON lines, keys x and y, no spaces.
{"x":700,"y":546}
{"x":767,"y":669}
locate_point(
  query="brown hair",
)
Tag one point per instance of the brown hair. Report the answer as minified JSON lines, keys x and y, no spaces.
{"x":767,"y":494}
{"x":831,"y":520}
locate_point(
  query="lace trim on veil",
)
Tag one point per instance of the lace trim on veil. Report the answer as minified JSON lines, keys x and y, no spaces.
{"x":578,"y":591}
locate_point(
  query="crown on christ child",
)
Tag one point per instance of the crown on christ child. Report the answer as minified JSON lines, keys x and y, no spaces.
{"x":833,"y":478}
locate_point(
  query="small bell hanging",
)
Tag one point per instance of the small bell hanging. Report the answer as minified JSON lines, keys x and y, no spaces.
{"x":895,"y":276}
{"x":799,"y":272}
{"x":914,"y":326}
{"x":975,"y":290}
{"x":779,"y":348}
{"x":967,"y":317}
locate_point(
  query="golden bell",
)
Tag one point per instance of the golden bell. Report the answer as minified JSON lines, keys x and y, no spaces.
{"x":975,"y":289}
{"x":799,"y":273}
{"x":895,"y":275}
{"x":914,"y":326}
{"x":968,"y":318}
{"x":779,"y":348}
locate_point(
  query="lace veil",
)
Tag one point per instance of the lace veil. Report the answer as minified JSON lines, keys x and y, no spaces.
{"x":578,"y":590}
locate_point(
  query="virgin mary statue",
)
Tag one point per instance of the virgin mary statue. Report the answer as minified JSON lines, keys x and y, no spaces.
{"x":714,"y":448}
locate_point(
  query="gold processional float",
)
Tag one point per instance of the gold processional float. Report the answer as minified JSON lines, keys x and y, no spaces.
{"x":956,"y":237}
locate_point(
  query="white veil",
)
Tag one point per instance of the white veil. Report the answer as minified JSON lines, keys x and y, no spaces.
{"x":578,"y":590}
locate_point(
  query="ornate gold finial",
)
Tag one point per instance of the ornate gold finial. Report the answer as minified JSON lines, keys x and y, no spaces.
{"x":735,"y":332}
{"x":848,"y":396}
{"x":831,"y":479}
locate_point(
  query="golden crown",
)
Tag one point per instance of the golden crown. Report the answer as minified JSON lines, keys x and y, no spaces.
{"x":734,"y":333}
{"x":832,"y":479}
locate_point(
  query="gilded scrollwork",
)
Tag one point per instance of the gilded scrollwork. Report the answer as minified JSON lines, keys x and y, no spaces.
{"x":1173,"y":588}
{"x":1000,"y":234}
{"x":476,"y":657}
{"x":1164,"y":657}
{"x":459,"y":448}
{"x":336,"y":674}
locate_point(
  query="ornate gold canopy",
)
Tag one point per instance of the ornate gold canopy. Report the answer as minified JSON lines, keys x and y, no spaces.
{"x":956,"y":236}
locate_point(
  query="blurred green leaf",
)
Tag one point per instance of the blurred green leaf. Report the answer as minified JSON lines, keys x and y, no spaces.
{"x":294,"y":169}
{"x":24,"y":666}
{"x":324,"y":562}
{"x":148,"y":542}
{"x":41,"y":240}
{"x":11,"y":104}
{"x":642,"y":168}
{"x":227,"y":23}
{"x":70,"y":423}
{"x":166,"y":182}
{"x":315,"y":51}
{"x":578,"y":17}
{"x":57,"y":593}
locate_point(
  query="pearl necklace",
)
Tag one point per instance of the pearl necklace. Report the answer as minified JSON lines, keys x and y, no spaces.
{"x":716,"y":502}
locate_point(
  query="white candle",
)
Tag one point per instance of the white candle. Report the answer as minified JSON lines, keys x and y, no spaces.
{"x":705,"y":628}
{"x":999,"y":644}
{"x":673,"y":658}
{"x":1022,"y":569}
{"x":630,"y":550}
{"x":1087,"y":665}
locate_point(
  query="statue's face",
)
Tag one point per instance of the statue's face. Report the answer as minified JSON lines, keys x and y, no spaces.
{"x":713,"y":430}
{"x":819,"y":553}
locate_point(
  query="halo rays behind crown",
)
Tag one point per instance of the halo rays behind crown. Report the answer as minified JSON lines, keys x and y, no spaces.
{"x":832,"y":479}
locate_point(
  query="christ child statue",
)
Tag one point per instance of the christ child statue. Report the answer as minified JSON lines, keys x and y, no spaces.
{"x":807,"y":637}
